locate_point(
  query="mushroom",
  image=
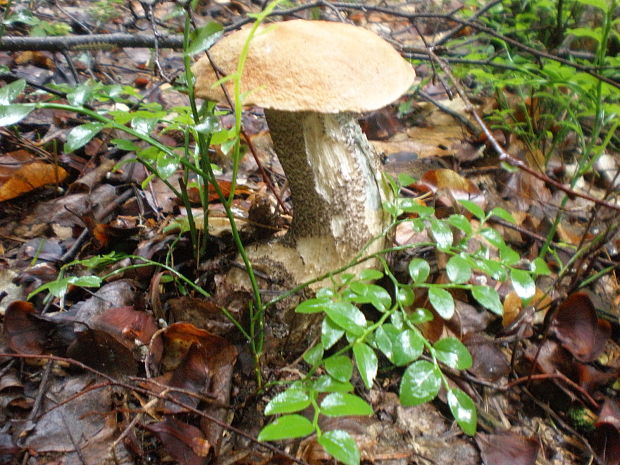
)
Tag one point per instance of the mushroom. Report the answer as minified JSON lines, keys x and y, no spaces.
{"x":311,"y":77}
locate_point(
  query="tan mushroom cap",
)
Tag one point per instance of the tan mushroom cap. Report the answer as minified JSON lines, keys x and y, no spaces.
{"x":300,"y":65}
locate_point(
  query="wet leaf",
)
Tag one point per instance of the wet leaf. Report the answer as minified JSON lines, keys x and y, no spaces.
{"x":507,"y":449}
{"x":339,"y":367}
{"x":488,"y":298}
{"x":339,"y":404}
{"x":79,"y":136}
{"x":340,"y":445}
{"x":464,"y":410}
{"x":286,"y":427}
{"x":458,"y":269}
{"x":347,"y":316}
{"x":420,"y":383}
{"x":522,"y":283}
{"x":367,"y":363}
{"x":419,"y":270}
{"x":453,"y":353}
{"x":442,"y":302}
{"x":12,"y":114}
{"x":289,"y":401}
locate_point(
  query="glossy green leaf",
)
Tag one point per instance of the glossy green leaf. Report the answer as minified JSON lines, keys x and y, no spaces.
{"x":286,"y":427}
{"x":82,"y":135}
{"x":460,"y":222}
{"x":11,"y":91}
{"x":410,"y":205}
{"x":464,"y":410}
{"x":399,"y":346}
{"x":340,"y":445}
{"x":458,"y":269}
{"x":405,"y":296}
{"x":291,"y":400}
{"x":340,"y":404}
{"x":473,"y":208}
{"x":372,"y":294}
{"x":419,"y":270}
{"x":347,"y":316}
{"x":453,"y":353}
{"x":312,"y":305}
{"x":339,"y":367}
{"x":503,"y":214}
{"x":81,"y":95}
{"x":420,"y":315}
{"x":508,"y":255}
{"x":58,"y":288}
{"x":488,"y":298}
{"x":204,"y":37}
{"x":166,"y":165}
{"x":493,"y":236}
{"x":314,"y":355}
{"x":442,"y":302}
{"x":144,"y":125}
{"x":420,"y":383}
{"x":441,"y":233}
{"x":539,"y":267}
{"x":330,"y":333}
{"x":370,"y":274}
{"x":124,"y":144}
{"x":367,"y":363}
{"x":522,"y":283}
{"x":326,"y":383}
{"x":12,"y":114}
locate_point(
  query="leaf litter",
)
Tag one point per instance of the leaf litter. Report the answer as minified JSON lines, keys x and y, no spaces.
{"x":59,"y":412}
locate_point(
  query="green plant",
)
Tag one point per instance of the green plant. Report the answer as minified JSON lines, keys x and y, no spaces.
{"x":349,"y":339}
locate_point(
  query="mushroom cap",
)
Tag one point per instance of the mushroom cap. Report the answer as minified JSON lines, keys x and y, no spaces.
{"x":300,"y":65}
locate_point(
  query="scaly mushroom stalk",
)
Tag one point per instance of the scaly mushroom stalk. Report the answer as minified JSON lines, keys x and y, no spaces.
{"x":336,"y":187}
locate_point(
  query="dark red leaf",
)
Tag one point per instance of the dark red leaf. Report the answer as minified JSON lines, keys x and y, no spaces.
{"x":24,"y":333}
{"x":507,"y":449}
{"x":578,"y":328}
{"x":185,"y":443}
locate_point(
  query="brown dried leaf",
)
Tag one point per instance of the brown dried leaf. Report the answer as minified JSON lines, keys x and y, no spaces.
{"x":21,"y":173}
{"x":185,"y":443}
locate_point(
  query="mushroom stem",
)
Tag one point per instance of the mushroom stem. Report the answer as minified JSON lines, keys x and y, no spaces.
{"x":336,"y":187}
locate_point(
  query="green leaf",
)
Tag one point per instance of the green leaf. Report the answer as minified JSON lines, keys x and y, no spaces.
{"x":347,"y":316}
{"x":602,"y":4}
{"x":339,"y":367}
{"x":442,"y":234}
{"x":420,"y":383}
{"x":420,"y":315}
{"x":11,"y":114}
{"x":81,"y":94}
{"x":400,"y":347}
{"x":144,"y":125}
{"x":508,"y":255}
{"x":522,"y":283}
{"x":405,"y":296}
{"x":367,"y":363}
{"x":166,"y":165}
{"x":442,"y":302}
{"x":312,"y":305}
{"x":330,"y":333}
{"x":503,"y":214}
{"x":473,"y":208}
{"x":419,"y":270}
{"x":81,"y":135}
{"x":291,"y":400}
{"x":488,"y":298}
{"x":11,"y":91}
{"x":314,"y":355}
{"x":286,"y":427}
{"x":326,"y":383}
{"x":124,"y":144}
{"x":340,"y":445}
{"x":494,"y":237}
{"x":410,"y":205}
{"x":460,"y":222}
{"x":370,"y":275}
{"x":539,"y":267}
{"x":340,"y":404}
{"x":453,"y":353}
{"x":464,"y":410}
{"x":204,"y":37}
{"x":458,"y":269}
{"x":58,"y":288}
{"x":372,"y":294}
